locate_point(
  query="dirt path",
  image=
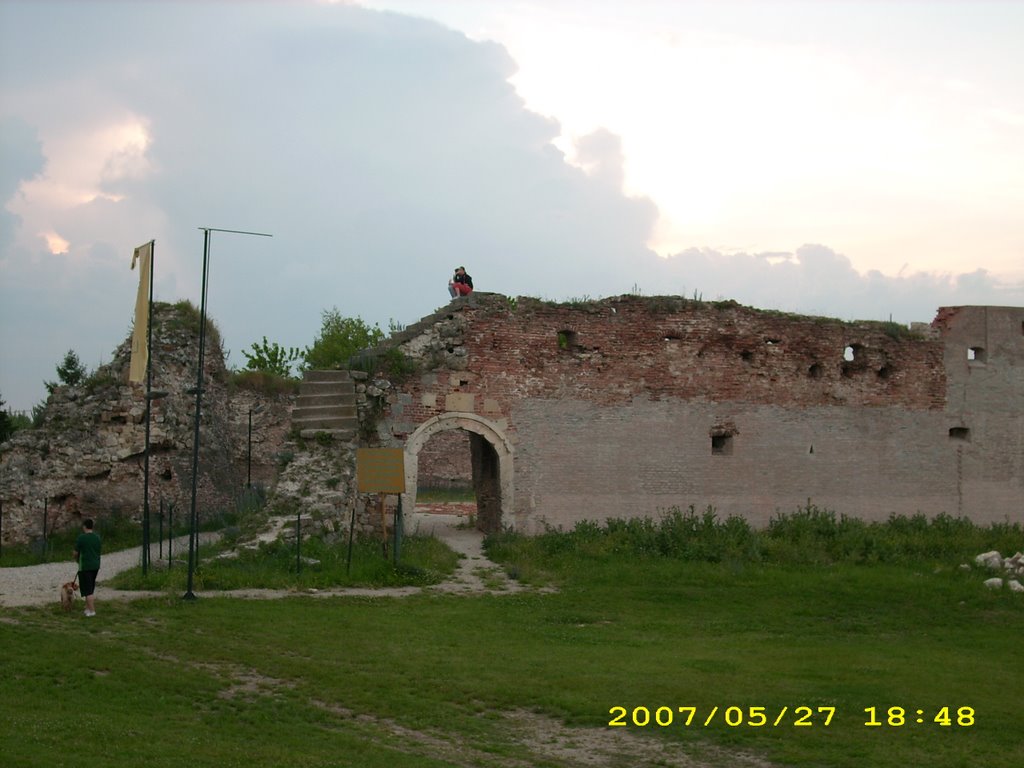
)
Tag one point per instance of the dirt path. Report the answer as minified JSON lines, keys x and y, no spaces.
{"x":39,"y":584}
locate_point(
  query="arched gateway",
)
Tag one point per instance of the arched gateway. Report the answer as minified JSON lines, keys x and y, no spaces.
{"x":491,"y":452}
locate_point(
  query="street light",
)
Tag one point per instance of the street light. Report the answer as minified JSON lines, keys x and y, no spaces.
{"x":193,"y":539}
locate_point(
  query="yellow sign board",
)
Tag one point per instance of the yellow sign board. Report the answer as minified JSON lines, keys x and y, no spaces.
{"x":380,"y":470}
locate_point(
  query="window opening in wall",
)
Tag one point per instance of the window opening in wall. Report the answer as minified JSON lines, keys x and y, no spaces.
{"x":814,"y":371}
{"x":567,"y":340}
{"x":721,"y":445}
{"x":848,"y":354}
{"x":772,"y":342}
{"x":976,"y":354}
{"x":959,"y":433}
{"x":672,"y":337}
{"x":811,"y":451}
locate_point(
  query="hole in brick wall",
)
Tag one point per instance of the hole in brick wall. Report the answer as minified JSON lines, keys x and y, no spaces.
{"x":746,"y":355}
{"x":814,"y":371}
{"x":976,"y":354}
{"x":721,"y":445}
{"x":672,"y":337}
{"x":772,"y":342}
{"x":849,"y":354}
{"x":567,"y":340}
{"x":811,"y":451}
{"x":885,"y":372}
{"x":959,"y":433}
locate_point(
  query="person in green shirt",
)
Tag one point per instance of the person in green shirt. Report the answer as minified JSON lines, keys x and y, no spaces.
{"x":87,"y":552}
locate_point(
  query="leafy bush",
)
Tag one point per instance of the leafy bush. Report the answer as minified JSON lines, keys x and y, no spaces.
{"x":340,"y":339}
{"x":271,"y":358}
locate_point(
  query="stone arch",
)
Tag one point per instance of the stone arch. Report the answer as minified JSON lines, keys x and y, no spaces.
{"x":490,"y":432}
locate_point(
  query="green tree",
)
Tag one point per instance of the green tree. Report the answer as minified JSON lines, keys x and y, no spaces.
{"x":271,"y":358}
{"x":6,"y":424}
{"x":340,"y":338}
{"x":70,"y":372}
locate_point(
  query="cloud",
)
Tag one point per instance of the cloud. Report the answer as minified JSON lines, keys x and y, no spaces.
{"x":22,"y":160}
{"x":379,"y":150}
{"x":816,"y":280}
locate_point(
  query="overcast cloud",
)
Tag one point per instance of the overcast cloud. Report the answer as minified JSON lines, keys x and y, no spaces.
{"x":381,"y":151}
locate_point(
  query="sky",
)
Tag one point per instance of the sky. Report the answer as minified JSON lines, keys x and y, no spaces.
{"x":860,"y":160}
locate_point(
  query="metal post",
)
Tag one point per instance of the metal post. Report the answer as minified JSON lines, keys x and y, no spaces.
{"x":170,"y":535}
{"x":160,"y":537}
{"x":193,"y":519}
{"x":149,"y":407}
{"x":351,"y":531}
{"x":248,"y":456}
{"x":45,"y":558}
{"x":193,"y":538}
{"x":398,"y":530}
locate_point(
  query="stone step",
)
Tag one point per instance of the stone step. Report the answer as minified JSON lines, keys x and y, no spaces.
{"x":342,"y":435}
{"x":325,"y":401}
{"x":326,"y":376}
{"x":325,"y":422}
{"x":314,"y":412}
{"x":317,"y":388}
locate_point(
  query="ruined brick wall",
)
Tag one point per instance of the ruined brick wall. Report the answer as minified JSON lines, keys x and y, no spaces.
{"x":633,"y":404}
{"x":445,"y":462}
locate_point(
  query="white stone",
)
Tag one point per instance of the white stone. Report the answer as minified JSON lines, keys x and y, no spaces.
{"x":1015,"y":586}
{"x":994,"y":583}
{"x":989,"y":559}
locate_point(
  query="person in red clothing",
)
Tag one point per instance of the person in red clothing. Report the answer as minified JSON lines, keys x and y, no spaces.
{"x":461,"y":284}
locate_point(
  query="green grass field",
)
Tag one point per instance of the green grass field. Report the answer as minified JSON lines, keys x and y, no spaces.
{"x":533,"y":678}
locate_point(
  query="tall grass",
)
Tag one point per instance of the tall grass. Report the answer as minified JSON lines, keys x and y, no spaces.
{"x":315,"y":564}
{"x":809,"y":536}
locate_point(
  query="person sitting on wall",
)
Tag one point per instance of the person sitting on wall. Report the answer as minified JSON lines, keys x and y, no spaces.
{"x":461,"y":284}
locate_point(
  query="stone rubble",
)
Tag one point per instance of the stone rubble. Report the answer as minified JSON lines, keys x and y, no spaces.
{"x":994,"y":561}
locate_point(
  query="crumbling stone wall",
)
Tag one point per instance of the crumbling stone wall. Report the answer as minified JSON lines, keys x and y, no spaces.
{"x":87,"y":458}
{"x":632,"y":404}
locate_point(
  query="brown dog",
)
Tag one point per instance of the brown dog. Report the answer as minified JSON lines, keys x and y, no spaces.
{"x":67,"y":594}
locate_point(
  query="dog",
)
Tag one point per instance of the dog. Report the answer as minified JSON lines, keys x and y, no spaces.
{"x":67,"y":594}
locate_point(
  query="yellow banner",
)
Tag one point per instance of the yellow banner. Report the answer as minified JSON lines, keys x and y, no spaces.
{"x":140,"y":349}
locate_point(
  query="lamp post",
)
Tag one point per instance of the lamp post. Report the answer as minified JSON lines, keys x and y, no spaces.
{"x":193,"y":539}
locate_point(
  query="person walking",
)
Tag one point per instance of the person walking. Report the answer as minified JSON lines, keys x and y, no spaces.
{"x":87,"y":552}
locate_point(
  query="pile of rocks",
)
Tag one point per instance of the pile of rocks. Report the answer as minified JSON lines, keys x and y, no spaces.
{"x":1012,"y":566}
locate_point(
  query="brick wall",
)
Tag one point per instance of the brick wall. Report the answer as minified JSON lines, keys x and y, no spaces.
{"x":633,"y":404}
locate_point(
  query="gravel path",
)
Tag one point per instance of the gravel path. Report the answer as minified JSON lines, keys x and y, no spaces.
{"x":40,"y":584}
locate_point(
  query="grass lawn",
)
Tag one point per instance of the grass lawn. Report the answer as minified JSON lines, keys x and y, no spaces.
{"x":531,"y":679}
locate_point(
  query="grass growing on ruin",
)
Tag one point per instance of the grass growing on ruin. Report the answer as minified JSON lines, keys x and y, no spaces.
{"x":316,"y":565}
{"x":439,"y":680}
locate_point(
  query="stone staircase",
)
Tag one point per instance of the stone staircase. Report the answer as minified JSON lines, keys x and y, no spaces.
{"x":326,"y":404}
